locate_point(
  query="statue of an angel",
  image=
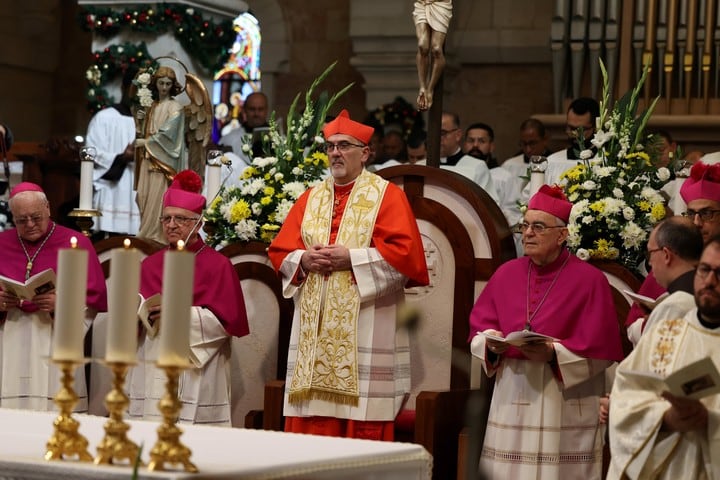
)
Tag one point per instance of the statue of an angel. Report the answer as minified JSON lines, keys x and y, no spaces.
{"x":171,"y":137}
{"x":432,"y":18}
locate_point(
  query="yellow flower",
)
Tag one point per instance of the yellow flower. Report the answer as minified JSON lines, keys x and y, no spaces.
{"x":573,"y":188}
{"x":642,"y":155}
{"x":249,"y":172}
{"x":266,"y":200}
{"x":574,"y":173}
{"x":268,"y":232}
{"x":322,"y":158}
{"x":657,"y":212}
{"x":598,"y":206}
{"x":269,"y":191}
{"x":215,"y":203}
{"x":239,"y":211}
{"x":644,"y":205}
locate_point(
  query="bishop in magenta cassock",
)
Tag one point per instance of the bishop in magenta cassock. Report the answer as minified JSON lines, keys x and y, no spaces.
{"x":346,"y":250}
{"x":543,"y":420}
{"x":218,"y":313}
{"x":29,"y":380}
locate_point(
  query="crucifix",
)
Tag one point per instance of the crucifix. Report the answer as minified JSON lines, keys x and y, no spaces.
{"x":432,"y":18}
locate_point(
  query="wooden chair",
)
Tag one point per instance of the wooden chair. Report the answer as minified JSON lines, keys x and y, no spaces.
{"x":99,"y":378}
{"x":260,"y":357}
{"x":466,"y":237}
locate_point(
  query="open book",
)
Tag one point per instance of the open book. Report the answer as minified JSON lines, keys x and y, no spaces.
{"x":695,"y":380}
{"x":521,"y":337}
{"x":42,"y":282}
{"x":144,"y":313}
{"x":648,"y":302}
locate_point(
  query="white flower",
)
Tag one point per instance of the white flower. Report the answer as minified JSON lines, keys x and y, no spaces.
{"x":319,"y":140}
{"x":633,"y":236}
{"x":279,"y":176}
{"x":600,"y":138}
{"x":282,"y":210}
{"x":618,"y":193}
{"x":294,"y":189}
{"x":247,"y":229}
{"x":628,"y":213}
{"x":663,"y":174}
{"x":246,"y":148}
{"x":586,"y":154}
{"x":589,"y":185}
{"x":144,"y":79}
{"x":583,"y":254}
{"x":588,"y":219}
{"x":297,"y":171}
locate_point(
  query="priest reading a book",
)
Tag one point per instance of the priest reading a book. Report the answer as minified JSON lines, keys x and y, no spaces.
{"x":29,"y":258}
{"x":218,"y":313}
{"x":543,"y":412}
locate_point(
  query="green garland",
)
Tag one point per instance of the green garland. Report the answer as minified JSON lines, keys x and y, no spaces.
{"x":107,"y":65}
{"x":205,"y":41}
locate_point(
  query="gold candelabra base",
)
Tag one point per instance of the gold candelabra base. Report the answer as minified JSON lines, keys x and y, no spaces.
{"x":85,"y":220}
{"x":65,"y":441}
{"x":169,"y":448}
{"x":115,"y":446}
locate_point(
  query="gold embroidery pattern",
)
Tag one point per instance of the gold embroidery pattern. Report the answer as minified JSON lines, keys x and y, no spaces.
{"x":326,"y":365}
{"x":665,"y":349}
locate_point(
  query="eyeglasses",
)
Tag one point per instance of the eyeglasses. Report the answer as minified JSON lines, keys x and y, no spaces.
{"x":703,"y":271}
{"x":34,"y":218}
{"x":537,"y":227}
{"x":706,"y":214}
{"x":179,"y":219}
{"x":341,"y":146}
{"x":444,"y":133}
{"x":649,"y":253}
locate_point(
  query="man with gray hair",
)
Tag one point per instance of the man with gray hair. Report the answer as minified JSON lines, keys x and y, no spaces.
{"x":26,"y":324}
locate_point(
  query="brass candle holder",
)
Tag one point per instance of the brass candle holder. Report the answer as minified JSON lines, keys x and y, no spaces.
{"x":169,"y":448}
{"x":115,"y":446}
{"x":85,"y":220}
{"x":65,"y":441}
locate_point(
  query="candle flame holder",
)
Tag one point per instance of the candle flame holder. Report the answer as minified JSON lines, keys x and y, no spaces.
{"x":66,"y":441}
{"x":84,"y":219}
{"x":115,"y":446}
{"x":169,"y":448}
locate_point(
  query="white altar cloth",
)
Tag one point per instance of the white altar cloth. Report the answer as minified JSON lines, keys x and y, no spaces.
{"x":217,"y":452}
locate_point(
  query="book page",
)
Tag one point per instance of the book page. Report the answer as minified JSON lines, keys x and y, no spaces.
{"x":648,"y":302}
{"x":695,"y":380}
{"x":39,"y":283}
{"x":521,"y":337}
{"x":144,"y":313}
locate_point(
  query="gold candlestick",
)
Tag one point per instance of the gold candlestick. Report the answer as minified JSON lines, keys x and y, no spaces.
{"x":85,"y":219}
{"x":66,"y":441}
{"x":115,"y":446}
{"x":168,"y":448}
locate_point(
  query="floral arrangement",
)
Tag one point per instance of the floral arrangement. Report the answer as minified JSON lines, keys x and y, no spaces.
{"x":257,"y":208}
{"x":615,"y":192}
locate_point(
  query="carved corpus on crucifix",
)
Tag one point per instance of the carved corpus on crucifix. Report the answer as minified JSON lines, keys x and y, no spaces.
{"x":432,"y":18}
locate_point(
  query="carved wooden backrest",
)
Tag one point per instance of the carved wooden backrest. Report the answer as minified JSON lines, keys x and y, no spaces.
{"x":261,"y":356}
{"x":466,"y":237}
{"x":100,"y":379}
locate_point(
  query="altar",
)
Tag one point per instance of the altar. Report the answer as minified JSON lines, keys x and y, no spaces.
{"x":217,"y":452}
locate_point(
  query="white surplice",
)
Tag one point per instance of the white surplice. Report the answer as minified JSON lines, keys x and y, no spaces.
{"x":381,"y":348}
{"x":204,"y":389}
{"x":639,"y":450}
{"x":533,"y":417}
{"x":30,"y":380}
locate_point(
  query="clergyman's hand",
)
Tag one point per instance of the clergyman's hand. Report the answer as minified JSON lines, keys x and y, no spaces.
{"x":45,"y":301}
{"x":315,"y":259}
{"x":494,"y":346}
{"x":339,"y":257}
{"x":538,"y":351}
{"x":684,"y":415}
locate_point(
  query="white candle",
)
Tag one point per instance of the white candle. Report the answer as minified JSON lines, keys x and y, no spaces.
{"x":212,"y":180}
{"x":86,"y":184}
{"x":537,"y":180}
{"x":177,"y":295}
{"x":68,"y":329}
{"x":123,"y":304}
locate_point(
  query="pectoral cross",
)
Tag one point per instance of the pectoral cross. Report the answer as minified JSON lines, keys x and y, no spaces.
{"x":28,"y":267}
